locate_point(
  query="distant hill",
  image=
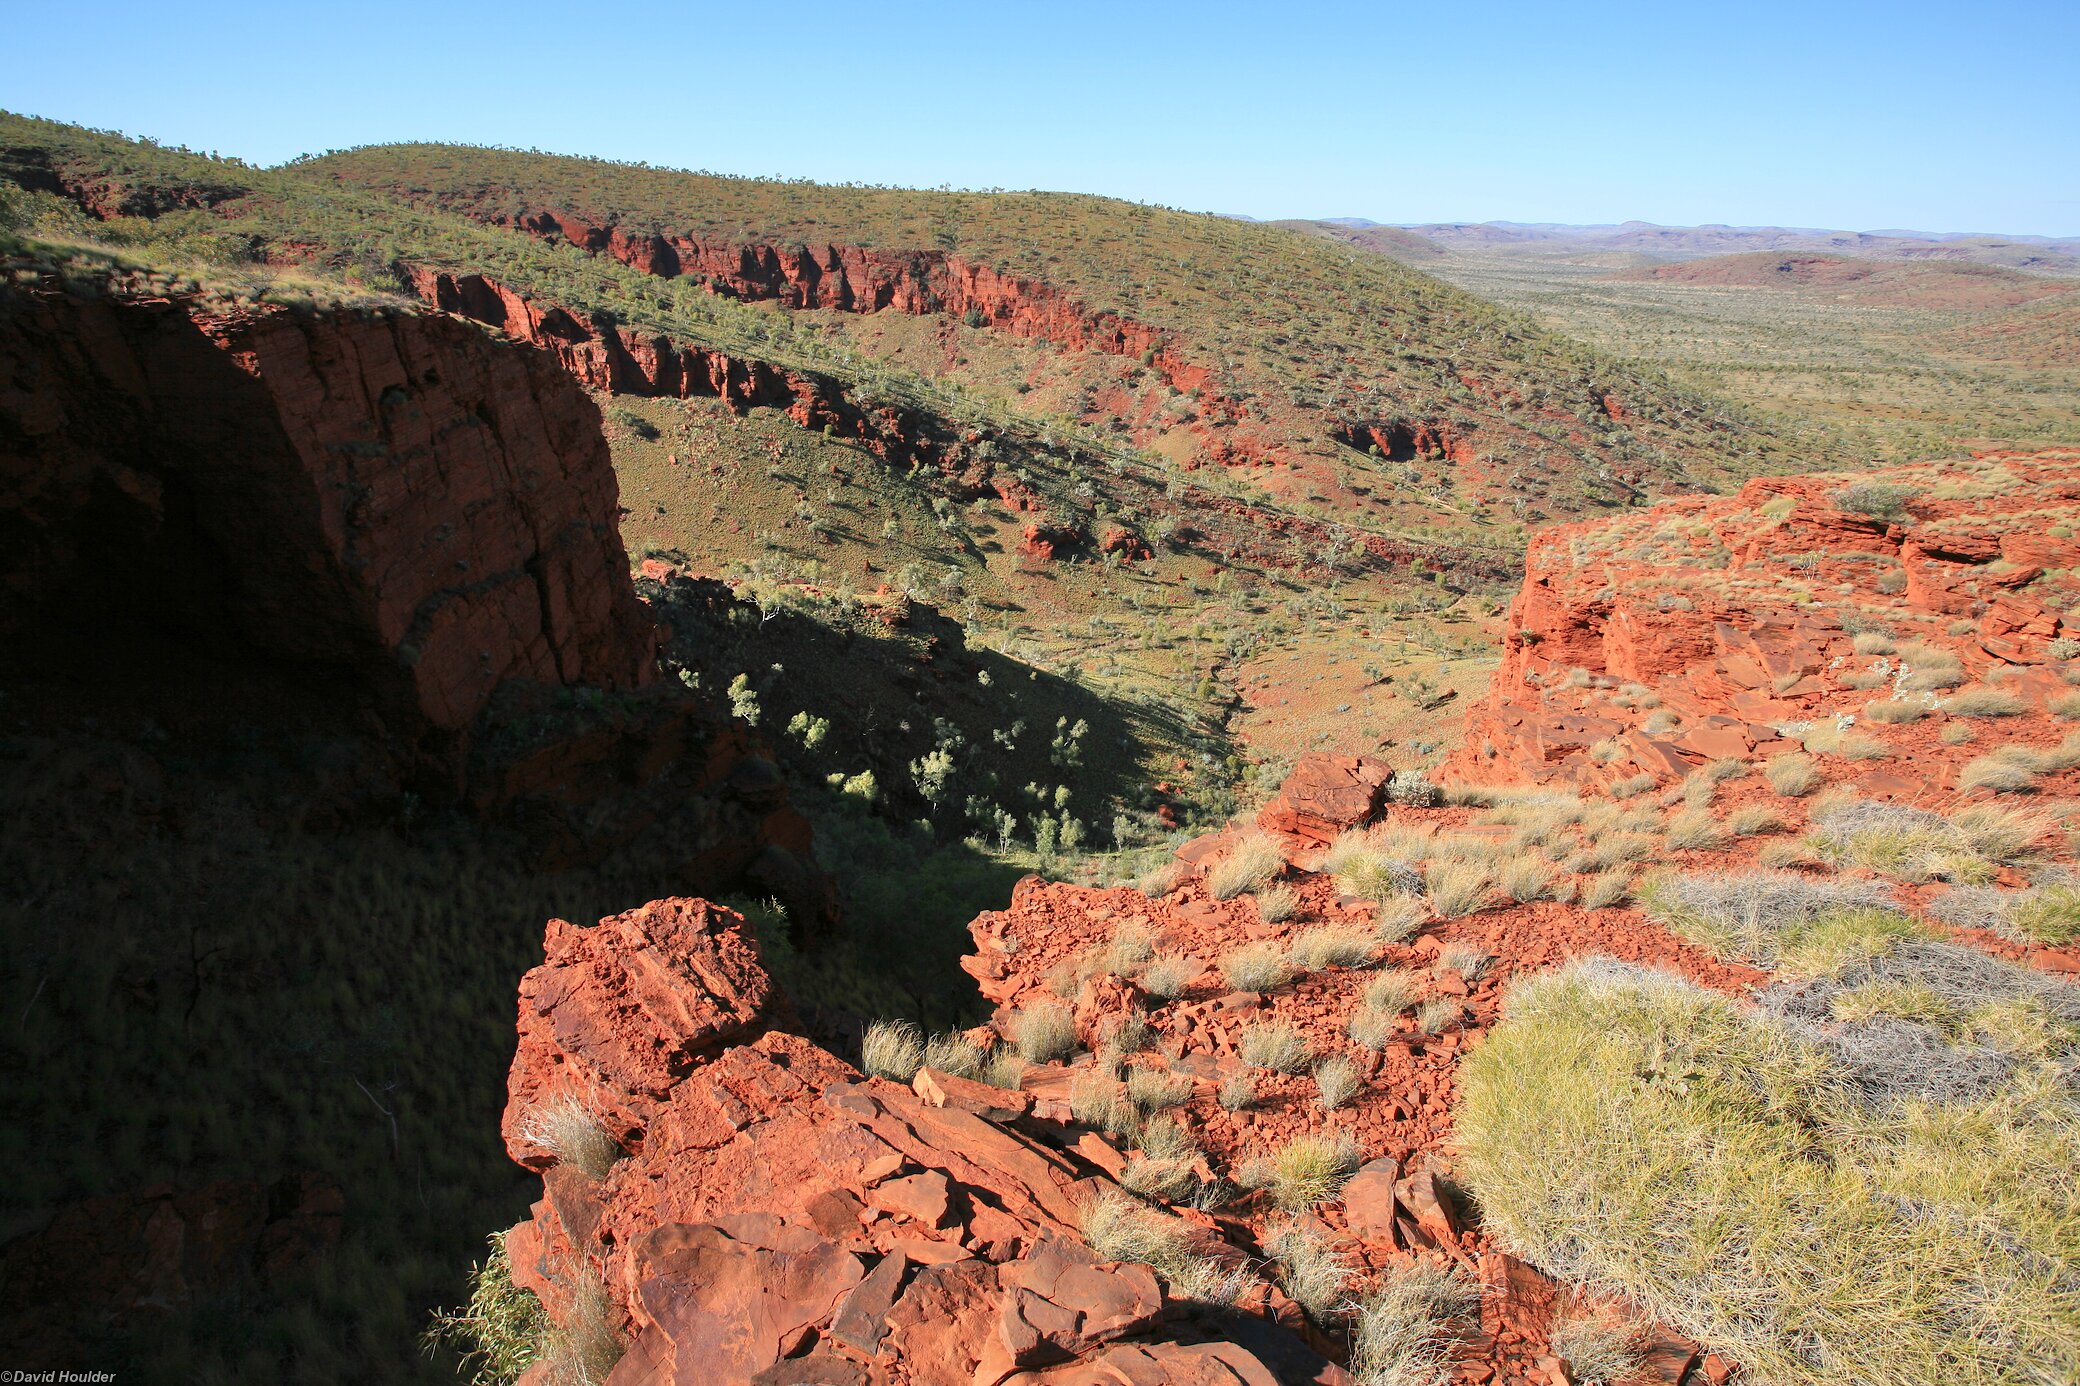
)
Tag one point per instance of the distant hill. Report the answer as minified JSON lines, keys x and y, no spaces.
{"x":1403,"y":245}
{"x":1949,"y":284}
{"x":2044,"y":254}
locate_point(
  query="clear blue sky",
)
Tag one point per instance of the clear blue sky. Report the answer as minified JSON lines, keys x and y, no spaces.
{"x":1850,"y":115}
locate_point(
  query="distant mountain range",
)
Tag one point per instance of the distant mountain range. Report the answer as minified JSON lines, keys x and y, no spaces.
{"x":2052,"y":254}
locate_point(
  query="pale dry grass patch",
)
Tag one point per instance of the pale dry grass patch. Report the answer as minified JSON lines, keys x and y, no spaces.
{"x":1766,"y":1205}
{"x":1331,"y":945}
{"x":1310,"y":1168}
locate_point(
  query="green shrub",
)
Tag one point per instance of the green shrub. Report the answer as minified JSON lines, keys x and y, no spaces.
{"x":1880,"y":500}
{"x":501,"y":1332}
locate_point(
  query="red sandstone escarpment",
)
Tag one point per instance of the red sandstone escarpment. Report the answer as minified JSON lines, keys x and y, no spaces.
{"x":1692,"y":631}
{"x":861,"y":279}
{"x":611,"y":359}
{"x":394,"y":496}
{"x":614,"y":360}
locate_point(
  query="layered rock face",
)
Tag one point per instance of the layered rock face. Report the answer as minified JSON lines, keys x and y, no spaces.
{"x":1693,"y":631}
{"x":780,"y":1218}
{"x":394,"y":497}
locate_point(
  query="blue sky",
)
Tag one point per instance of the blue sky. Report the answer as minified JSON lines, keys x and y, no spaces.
{"x":1851,"y":115}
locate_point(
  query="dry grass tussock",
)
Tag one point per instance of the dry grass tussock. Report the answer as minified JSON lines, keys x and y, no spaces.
{"x":1120,"y":1228}
{"x":1248,"y":865}
{"x":1767,"y":1205}
{"x":1792,"y":774}
{"x":1256,"y":967}
{"x":1330,"y":945}
{"x":1456,"y":887}
{"x":569,"y":1127}
{"x":1403,"y":1332}
{"x":1043,"y":1031}
{"x":1310,"y":1168}
{"x":2047,"y":914}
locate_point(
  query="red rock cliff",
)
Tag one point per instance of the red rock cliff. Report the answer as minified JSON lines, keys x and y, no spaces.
{"x":395,"y":495}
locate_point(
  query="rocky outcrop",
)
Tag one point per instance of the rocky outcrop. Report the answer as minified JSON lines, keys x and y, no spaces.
{"x":1325,"y":795}
{"x":777,"y":1217}
{"x":1693,"y":631}
{"x":395,"y":498}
